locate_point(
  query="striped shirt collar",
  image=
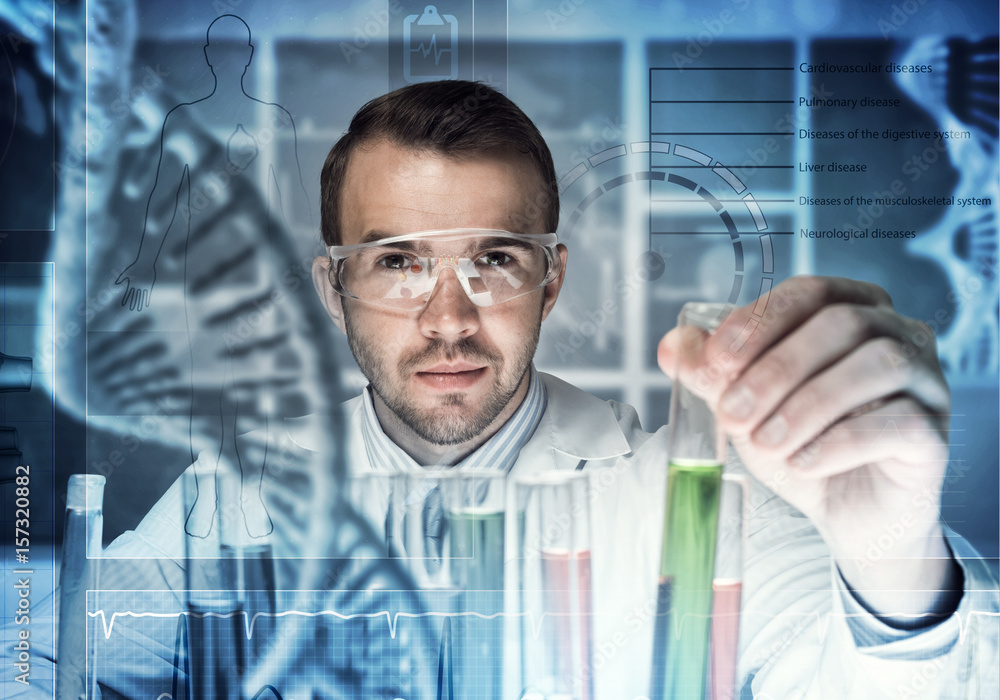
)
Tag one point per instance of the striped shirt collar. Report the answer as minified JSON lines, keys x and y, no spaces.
{"x":499,"y":452}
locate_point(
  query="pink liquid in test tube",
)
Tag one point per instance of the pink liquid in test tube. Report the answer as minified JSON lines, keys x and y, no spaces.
{"x":570,"y":609}
{"x":723,"y":647}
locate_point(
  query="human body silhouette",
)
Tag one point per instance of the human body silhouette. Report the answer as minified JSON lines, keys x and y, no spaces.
{"x":224,"y":280}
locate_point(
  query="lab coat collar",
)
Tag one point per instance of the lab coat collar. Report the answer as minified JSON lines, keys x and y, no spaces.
{"x":575,"y":424}
{"x":310,"y":432}
{"x":578,"y":424}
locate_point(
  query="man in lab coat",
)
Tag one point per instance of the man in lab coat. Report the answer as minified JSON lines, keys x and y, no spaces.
{"x":436,"y":205}
{"x":806,"y":390}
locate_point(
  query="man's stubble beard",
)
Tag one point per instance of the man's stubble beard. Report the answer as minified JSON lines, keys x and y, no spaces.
{"x":440,"y":428}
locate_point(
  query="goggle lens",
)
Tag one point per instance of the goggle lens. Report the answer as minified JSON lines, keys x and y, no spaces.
{"x":400,"y":272}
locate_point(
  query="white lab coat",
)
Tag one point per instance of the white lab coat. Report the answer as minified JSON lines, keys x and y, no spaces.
{"x":797,"y":639}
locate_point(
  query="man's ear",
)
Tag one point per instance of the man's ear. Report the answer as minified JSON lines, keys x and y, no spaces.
{"x":552,"y":288}
{"x":332,"y":301}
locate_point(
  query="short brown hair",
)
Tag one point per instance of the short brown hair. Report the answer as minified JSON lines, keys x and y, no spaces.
{"x":450,"y":117}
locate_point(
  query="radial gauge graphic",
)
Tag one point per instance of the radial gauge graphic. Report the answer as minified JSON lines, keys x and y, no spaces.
{"x":689,"y":194}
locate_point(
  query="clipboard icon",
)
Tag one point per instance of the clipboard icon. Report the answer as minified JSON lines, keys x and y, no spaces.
{"x":430,"y":46}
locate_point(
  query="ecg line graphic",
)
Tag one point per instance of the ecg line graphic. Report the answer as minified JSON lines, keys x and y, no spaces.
{"x":431,"y":47}
{"x":822,"y":622}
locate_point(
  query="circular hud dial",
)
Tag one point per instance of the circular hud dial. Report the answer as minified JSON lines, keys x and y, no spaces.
{"x":691,"y":195}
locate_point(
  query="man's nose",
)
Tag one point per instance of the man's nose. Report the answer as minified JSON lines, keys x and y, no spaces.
{"x":449,"y":313}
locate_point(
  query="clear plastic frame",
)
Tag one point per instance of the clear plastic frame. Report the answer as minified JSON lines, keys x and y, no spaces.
{"x":400,"y":272}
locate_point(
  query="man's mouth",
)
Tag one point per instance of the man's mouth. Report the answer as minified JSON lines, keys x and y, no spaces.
{"x":451,"y":376}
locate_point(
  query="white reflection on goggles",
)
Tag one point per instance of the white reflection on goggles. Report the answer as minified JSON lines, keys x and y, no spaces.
{"x":401,"y":271}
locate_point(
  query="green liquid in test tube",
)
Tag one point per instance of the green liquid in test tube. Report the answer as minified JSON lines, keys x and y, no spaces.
{"x":690,"y":522}
{"x":474,"y":502}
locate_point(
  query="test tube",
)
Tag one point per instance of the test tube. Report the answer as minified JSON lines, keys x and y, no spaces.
{"x":229,"y":577}
{"x":727,"y":590}
{"x":554,"y":542}
{"x":448,"y":526}
{"x":78,"y":574}
{"x":684,"y":596}
{"x":475,"y":507}
{"x":415,"y":525}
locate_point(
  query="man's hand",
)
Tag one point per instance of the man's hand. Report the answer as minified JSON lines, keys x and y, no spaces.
{"x":837,"y":404}
{"x":138,"y":278}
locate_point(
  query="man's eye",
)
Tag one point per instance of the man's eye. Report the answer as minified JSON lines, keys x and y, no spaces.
{"x":494,"y":258}
{"x":394,"y":261}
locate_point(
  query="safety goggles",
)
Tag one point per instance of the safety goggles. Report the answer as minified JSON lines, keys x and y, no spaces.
{"x":400,"y":272}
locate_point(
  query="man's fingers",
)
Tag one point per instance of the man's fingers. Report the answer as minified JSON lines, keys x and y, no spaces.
{"x":751,"y":330}
{"x":861,"y":384}
{"x":818,"y":373}
{"x":901,"y":431}
{"x":837,"y":314}
{"x":681,"y":350}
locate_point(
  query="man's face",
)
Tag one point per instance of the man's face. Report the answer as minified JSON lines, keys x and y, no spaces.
{"x":452,"y":371}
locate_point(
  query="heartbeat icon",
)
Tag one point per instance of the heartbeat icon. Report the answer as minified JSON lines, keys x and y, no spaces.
{"x":431,"y":47}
